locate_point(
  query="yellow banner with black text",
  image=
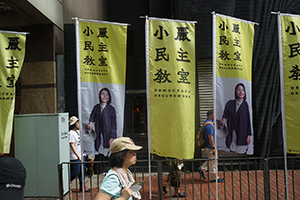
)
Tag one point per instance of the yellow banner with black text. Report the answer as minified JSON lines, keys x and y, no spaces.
{"x":290,"y":34}
{"x":102,"y":74}
{"x":102,"y":52}
{"x":12,"y":53}
{"x":233,"y":88}
{"x":172,"y":87}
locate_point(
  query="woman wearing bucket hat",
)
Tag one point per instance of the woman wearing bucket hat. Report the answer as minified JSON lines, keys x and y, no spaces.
{"x":75,"y":152}
{"x":116,"y":184}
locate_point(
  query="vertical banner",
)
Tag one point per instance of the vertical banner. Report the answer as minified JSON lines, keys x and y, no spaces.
{"x":289,"y":38}
{"x":101,"y":70}
{"x":233,"y":40}
{"x":170,"y":58}
{"x":12,"y":53}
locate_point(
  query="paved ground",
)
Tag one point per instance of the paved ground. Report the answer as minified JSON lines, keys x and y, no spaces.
{"x":237,"y":185}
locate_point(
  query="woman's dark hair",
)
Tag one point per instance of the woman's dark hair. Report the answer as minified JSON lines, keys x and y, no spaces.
{"x":235,"y":94}
{"x":109,"y":100}
{"x":71,"y":127}
{"x":116,"y":159}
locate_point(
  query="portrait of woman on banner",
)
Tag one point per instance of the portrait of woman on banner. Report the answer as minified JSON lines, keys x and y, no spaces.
{"x":104,"y":117}
{"x":236,"y":119}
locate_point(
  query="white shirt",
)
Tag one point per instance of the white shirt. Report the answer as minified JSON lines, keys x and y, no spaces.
{"x":74,"y":137}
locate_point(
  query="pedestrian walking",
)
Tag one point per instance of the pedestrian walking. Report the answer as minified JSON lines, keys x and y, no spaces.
{"x":210,"y":150}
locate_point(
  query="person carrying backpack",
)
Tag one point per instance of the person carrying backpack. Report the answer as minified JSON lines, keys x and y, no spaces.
{"x":209,"y":137}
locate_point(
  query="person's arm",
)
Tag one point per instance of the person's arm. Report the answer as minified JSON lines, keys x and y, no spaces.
{"x":72,"y":146}
{"x":126,"y":194}
{"x":90,"y":126}
{"x":113,"y":120}
{"x":225,"y":115}
{"x":211,"y":141}
{"x":223,"y":122}
{"x":112,"y":187}
{"x":248,"y":140}
{"x":113,"y":124}
{"x":92,"y":118}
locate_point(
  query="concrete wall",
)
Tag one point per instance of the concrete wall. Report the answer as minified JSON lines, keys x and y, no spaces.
{"x":53,"y":10}
{"x":38,"y":75}
{"x":39,"y":88}
{"x":87,"y":9}
{"x":44,"y":22}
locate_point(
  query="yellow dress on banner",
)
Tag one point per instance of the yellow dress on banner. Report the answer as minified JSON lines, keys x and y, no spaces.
{"x":12,"y":55}
{"x":290,"y":34}
{"x":172,"y":88}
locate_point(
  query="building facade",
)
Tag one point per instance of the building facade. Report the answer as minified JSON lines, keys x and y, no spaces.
{"x":47,"y":83}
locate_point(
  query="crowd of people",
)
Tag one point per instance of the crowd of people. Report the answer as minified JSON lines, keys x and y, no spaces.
{"x":117,"y":181}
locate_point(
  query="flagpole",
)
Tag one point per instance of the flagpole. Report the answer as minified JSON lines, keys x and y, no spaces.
{"x":79,"y":96}
{"x":14,"y":32}
{"x":214,"y":92}
{"x":282,"y":102}
{"x":148,"y":103}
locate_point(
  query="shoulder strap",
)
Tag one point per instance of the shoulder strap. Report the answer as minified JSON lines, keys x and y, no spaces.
{"x":118,"y":178}
{"x":208,"y":122}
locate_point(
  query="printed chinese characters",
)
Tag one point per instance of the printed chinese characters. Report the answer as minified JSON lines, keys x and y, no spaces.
{"x":162,"y":75}
{"x":232,"y":43}
{"x":95,"y":65}
{"x":11,"y":63}
{"x":292,"y":30}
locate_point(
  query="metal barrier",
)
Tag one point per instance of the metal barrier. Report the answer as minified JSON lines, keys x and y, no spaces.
{"x":245,"y":178}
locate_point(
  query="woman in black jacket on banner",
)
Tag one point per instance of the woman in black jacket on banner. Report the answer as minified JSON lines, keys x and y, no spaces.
{"x":236,"y":118}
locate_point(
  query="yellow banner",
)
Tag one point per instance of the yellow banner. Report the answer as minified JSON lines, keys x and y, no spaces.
{"x":12,"y":52}
{"x":290,"y":33}
{"x":172,"y":88}
{"x":102,"y":52}
{"x":234,"y":44}
{"x":233,"y":55}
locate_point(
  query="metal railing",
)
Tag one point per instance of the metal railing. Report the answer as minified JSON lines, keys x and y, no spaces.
{"x":245,"y":178}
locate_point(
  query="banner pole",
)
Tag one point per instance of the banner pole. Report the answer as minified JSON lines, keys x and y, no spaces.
{"x":148,"y":103}
{"x":282,"y":103}
{"x":214,"y":93}
{"x":79,"y":97}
